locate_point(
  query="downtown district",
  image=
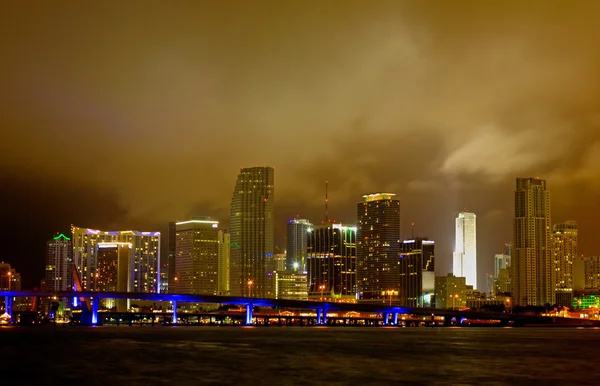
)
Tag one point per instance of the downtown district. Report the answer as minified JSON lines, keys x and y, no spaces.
{"x":366,"y":262}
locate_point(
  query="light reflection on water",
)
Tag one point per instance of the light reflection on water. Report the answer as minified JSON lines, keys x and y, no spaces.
{"x":296,"y":355}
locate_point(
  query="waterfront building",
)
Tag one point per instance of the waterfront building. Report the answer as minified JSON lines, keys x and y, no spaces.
{"x":144,"y":262}
{"x":565,"y":251}
{"x":378,"y":247}
{"x":10,"y":279}
{"x":59,"y":252}
{"x":331,"y":262}
{"x":113,"y":272}
{"x":532,"y":269}
{"x":417,"y":273}
{"x":223,"y":280}
{"x":450,"y":291}
{"x":290,"y":285}
{"x":197,"y":256}
{"x":465,"y":252}
{"x":297,"y":233}
{"x":252,"y":233}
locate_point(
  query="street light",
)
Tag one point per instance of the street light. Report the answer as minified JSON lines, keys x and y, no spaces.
{"x":250,"y":282}
{"x":322,"y":288}
{"x":509,"y":306}
{"x":9,"y":279}
{"x":454,"y":300}
{"x":391,"y":293}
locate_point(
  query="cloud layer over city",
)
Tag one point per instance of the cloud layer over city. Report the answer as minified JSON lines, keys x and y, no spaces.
{"x":148,"y":110}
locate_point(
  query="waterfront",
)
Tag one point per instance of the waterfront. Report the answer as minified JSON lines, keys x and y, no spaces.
{"x":276,"y":356}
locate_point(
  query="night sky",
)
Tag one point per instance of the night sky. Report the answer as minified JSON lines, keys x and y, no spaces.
{"x":131,"y":114}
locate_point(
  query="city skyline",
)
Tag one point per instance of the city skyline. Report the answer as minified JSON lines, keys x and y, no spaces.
{"x":475,"y":97}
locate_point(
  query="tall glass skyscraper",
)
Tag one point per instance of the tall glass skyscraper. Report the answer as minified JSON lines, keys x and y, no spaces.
{"x":297,"y":233}
{"x":59,"y":257}
{"x":532,"y":263}
{"x":252,"y":233}
{"x":378,"y":247}
{"x":465,"y":250}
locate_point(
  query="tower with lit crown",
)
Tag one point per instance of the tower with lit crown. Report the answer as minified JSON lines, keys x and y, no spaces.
{"x":465,"y":252}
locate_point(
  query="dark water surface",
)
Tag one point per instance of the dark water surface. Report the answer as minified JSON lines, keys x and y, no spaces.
{"x":298,"y":356}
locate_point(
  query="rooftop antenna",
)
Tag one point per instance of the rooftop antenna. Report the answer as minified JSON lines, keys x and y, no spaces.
{"x":412,"y":225}
{"x":326,"y":201}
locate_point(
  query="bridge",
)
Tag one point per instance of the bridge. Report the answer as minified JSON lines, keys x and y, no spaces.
{"x":389,"y":314}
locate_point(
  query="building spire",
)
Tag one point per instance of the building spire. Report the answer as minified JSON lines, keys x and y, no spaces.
{"x":326,"y":202}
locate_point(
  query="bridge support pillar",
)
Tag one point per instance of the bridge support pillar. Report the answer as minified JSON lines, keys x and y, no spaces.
{"x":324,"y":315}
{"x":319,"y":316}
{"x":95,"y":306}
{"x":174,"y":318}
{"x":8,"y":305}
{"x":249,"y":314}
{"x":395,"y":322}
{"x":386,"y":318}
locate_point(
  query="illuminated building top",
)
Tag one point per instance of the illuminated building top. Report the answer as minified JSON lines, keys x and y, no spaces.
{"x":61,"y":236}
{"x":378,"y":196}
{"x":115,"y":233}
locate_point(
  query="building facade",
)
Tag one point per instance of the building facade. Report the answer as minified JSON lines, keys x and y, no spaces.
{"x":331,"y":262}
{"x":113,"y":272}
{"x":501,"y":261}
{"x":290,"y":285}
{"x":197,"y":256}
{"x":417,"y":273}
{"x":378,"y":247}
{"x":450,"y":292}
{"x":10,"y":279}
{"x":532,"y":260}
{"x":465,"y":252}
{"x":170,"y":260}
{"x":252,"y":232}
{"x":224,"y":262}
{"x":297,"y":233}
{"x":565,"y":252}
{"x":59,"y":257}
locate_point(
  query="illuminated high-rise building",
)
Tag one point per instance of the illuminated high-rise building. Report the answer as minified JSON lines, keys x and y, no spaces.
{"x":197,"y":256}
{"x":113,"y":272}
{"x":565,"y":251}
{"x":224,"y":262}
{"x":378,"y":247}
{"x":280,"y":262}
{"x":59,"y":252}
{"x":465,"y":249}
{"x":296,"y":243}
{"x":501,"y":261}
{"x":171,"y":269}
{"x":417,"y":274}
{"x":10,"y":279}
{"x":144,"y":262}
{"x":331,"y":262}
{"x":532,"y":264}
{"x":450,"y":292}
{"x":252,"y":233}
{"x":290,"y":285}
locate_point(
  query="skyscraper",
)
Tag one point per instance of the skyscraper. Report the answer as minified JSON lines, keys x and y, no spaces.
{"x":224,"y":262}
{"x":501,"y":261}
{"x":565,"y":251}
{"x":144,"y":262}
{"x":197,"y":256}
{"x":532,"y":268}
{"x":296,"y":243}
{"x":378,"y":246}
{"x":331,"y":262}
{"x":171,"y":268}
{"x":113,"y":271}
{"x":465,"y":250}
{"x":417,"y":273}
{"x":59,"y":252}
{"x":252,"y":232}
